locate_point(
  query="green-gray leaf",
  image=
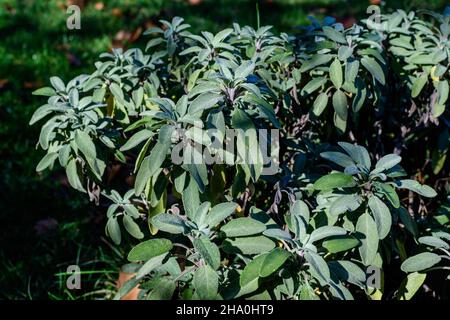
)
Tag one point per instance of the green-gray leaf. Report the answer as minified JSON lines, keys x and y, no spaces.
{"x":150,"y":165}
{"x":336,"y":74}
{"x":274,"y":260}
{"x":209,"y":251}
{"x":46,"y":161}
{"x":411,"y":285}
{"x":339,"y":158}
{"x":313,"y":85}
{"x":389,"y":192}
{"x":318,"y":266}
{"x":334,"y":35}
{"x":345,"y":203}
{"x":72,"y":175}
{"x":117,"y":92}
{"x":382,"y":216}
{"x":359,"y":154}
{"x":163,"y":291}
{"x":415,"y":186}
{"x":433,"y":242}
{"x":348,"y":271}
{"x":316,"y":60}
{"x":374,"y":68}
{"x":150,"y":265}
{"x":278,"y":234}
{"x":340,"y":104}
{"x":132,"y":227}
{"x":386,"y":163}
{"x":168,"y":223}
{"x":45,"y":91}
{"x":369,"y":241}
{"x":220,"y":212}
{"x":57,"y":83}
{"x":243,"y":227}
{"x":420,"y":262}
{"x":191,"y":199}
{"x":201,"y":214}
{"x":320,"y":104}
{"x":206,"y":283}
{"x":340,"y":244}
{"x":113,"y":229}
{"x":203,"y":102}
{"x":326,"y":231}
{"x":418,"y":85}
{"x":250,"y":276}
{"x":333,"y":181}
{"x":136,"y":139}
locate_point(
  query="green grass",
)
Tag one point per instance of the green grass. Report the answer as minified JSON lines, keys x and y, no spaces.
{"x":39,"y":270}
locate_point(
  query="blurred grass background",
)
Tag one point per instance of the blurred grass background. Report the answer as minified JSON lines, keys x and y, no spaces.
{"x":46,"y":226}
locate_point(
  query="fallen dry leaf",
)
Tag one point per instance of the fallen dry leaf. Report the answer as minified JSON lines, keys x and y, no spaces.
{"x":124,"y":277}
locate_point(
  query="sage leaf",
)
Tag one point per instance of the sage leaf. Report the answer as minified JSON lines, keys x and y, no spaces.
{"x":243,"y":227}
{"x":326,"y":231}
{"x":318,"y":266}
{"x":433,"y":242}
{"x":415,"y":186}
{"x":374,"y":68}
{"x":320,"y":104}
{"x":113,"y":230}
{"x":206,"y":283}
{"x":339,"y":158}
{"x":220,"y":212}
{"x":340,"y":104}
{"x":382,"y":216}
{"x":369,"y":240}
{"x":340,"y":243}
{"x":168,"y":223}
{"x":248,"y":245}
{"x":132,"y":227}
{"x":150,"y":265}
{"x":85,"y":144}
{"x":273,"y":261}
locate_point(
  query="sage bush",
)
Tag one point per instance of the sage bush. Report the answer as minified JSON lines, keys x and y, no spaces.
{"x":347,"y":104}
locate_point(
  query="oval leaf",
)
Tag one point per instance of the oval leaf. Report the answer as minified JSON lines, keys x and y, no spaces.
{"x":420,"y":262}
{"x":149,"y":249}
